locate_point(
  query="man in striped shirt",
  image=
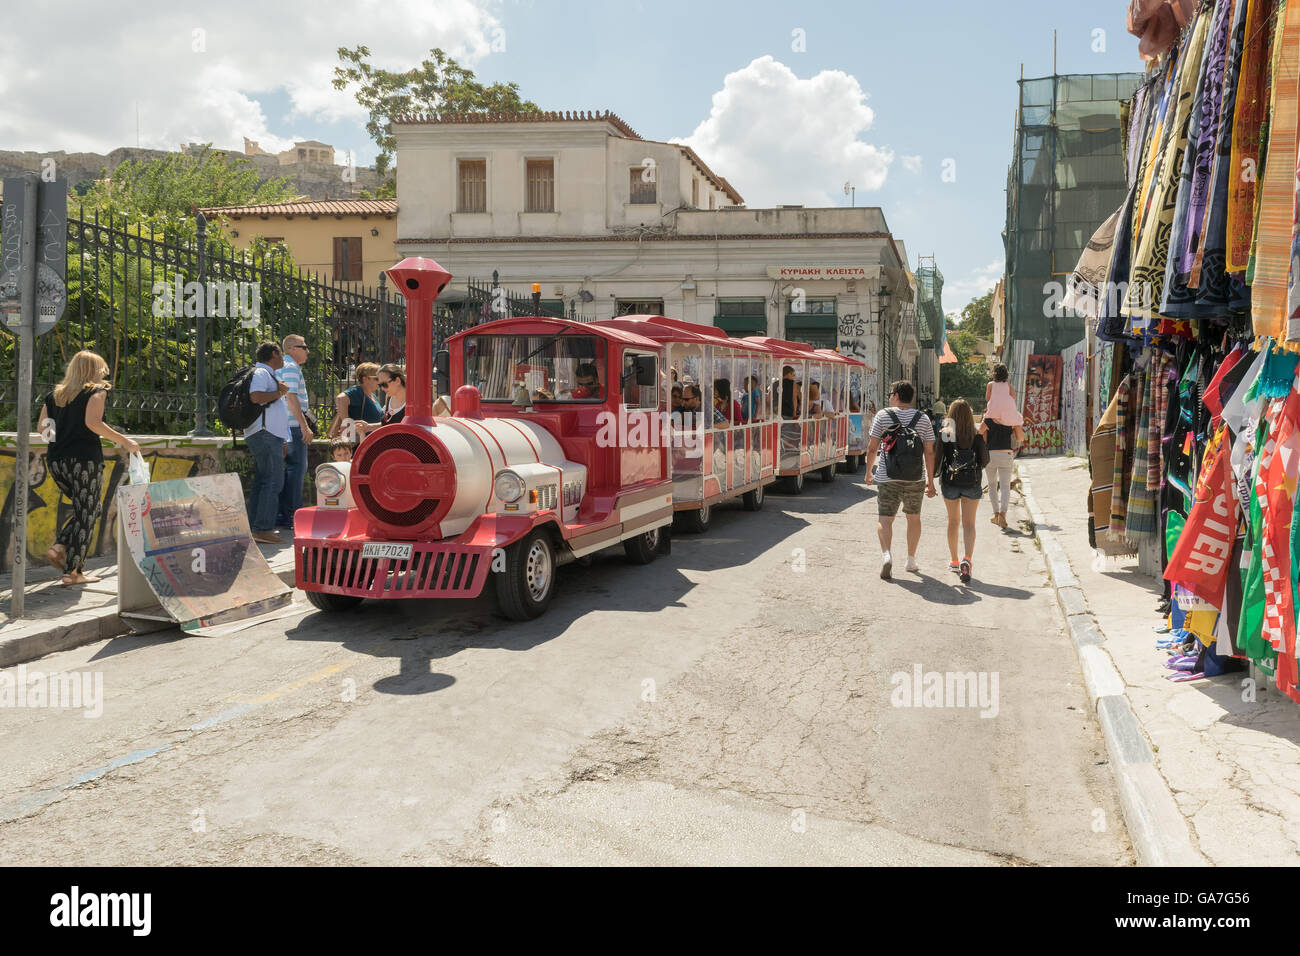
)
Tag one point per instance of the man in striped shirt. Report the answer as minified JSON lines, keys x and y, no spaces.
{"x":296,"y":354}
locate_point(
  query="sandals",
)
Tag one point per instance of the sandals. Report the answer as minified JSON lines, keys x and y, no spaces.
{"x":76,"y":578}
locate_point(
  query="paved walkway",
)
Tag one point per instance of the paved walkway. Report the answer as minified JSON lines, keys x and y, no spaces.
{"x":56,"y":618}
{"x":1233,"y":764}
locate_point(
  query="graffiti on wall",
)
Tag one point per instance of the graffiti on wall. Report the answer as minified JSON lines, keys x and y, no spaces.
{"x":1074,"y":399}
{"x":47,"y":509}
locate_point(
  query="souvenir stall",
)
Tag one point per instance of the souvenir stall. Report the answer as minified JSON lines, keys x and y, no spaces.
{"x":1194,"y":286}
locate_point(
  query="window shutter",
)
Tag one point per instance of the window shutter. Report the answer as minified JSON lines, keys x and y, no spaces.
{"x":340,"y":272}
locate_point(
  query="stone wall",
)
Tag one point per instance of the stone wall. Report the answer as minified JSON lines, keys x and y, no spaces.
{"x":168,"y":457}
{"x":316,"y":180}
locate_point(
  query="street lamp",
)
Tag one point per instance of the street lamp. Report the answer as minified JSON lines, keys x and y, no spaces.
{"x":882,"y":299}
{"x":851,"y":191}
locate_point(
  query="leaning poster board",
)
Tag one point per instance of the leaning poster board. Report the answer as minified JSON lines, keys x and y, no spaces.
{"x":186,"y":555}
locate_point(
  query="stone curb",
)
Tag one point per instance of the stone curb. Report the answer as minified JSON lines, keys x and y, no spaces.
{"x":37,"y":638}
{"x":1155,"y":824}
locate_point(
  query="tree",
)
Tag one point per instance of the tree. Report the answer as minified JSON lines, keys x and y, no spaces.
{"x":978,"y":315}
{"x":163,"y":193}
{"x":438,"y":85}
{"x":966,"y":377}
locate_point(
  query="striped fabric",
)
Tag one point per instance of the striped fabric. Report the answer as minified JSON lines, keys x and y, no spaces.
{"x":1141,"y":523}
{"x":1269,"y":292}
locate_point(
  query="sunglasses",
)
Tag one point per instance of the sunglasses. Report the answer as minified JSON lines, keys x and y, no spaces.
{"x":305,"y":348}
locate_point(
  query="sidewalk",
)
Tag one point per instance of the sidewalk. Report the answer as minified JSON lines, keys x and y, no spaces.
{"x":1232,"y":765}
{"x":57,"y":618}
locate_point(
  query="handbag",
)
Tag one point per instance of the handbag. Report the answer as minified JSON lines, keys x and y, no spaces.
{"x":312,"y":423}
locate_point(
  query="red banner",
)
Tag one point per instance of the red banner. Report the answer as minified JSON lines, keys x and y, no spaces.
{"x":1043,"y":389}
{"x":1203,"y":554}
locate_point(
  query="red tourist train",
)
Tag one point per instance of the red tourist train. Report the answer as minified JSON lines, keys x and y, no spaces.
{"x":566,"y":438}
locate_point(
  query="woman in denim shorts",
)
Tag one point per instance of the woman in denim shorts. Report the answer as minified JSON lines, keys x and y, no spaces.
{"x":961,"y":456}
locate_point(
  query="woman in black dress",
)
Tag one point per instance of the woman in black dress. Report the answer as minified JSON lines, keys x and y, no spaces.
{"x":75,"y":458}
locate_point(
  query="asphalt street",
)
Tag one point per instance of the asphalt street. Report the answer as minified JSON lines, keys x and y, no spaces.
{"x":742,"y":701}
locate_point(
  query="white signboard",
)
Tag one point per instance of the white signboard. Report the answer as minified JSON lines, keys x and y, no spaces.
{"x":816,"y":272}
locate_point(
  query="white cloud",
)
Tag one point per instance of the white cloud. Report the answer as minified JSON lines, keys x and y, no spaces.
{"x":780,"y":139}
{"x":144,"y":55}
{"x":912,"y":163}
{"x":978,"y":282}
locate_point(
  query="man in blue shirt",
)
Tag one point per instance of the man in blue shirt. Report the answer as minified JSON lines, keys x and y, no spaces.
{"x":300,"y":434}
{"x":266,"y":439}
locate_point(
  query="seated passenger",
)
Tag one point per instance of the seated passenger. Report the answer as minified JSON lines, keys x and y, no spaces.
{"x":587,"y":382}
{"x":676,"y":403}
{"x":726,"y":410}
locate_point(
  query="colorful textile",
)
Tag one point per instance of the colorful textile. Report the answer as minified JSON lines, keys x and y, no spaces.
{"x":1146,"y":291}
{"x":1128,"y":393}
{"x":1200,"y":560}
{"x":1141,"y":521}
{"x":1275,"y":234}
{"x":1252,"y":99}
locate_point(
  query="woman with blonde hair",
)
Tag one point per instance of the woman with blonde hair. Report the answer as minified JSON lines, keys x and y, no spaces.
{"x":75,"y":457}
{"x":961,"y":456}
{"x":359,"y":403}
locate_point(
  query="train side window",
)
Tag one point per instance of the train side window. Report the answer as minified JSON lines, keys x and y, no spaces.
{"x":637,"y":394}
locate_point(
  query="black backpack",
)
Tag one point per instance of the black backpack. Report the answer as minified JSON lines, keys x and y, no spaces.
{"x":904,"y":450}
{"x":962,"y":467}
{"x":235,"y":406}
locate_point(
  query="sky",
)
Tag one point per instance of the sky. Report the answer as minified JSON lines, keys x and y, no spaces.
{"x":912,"y":103}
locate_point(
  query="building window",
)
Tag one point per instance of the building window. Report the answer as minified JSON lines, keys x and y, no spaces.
{"x":711,"y":200}
{"x":695,"y":191}
{"x":541,"y":185}
{"x":640,"y":307}
{"x":642,"y":191}
{"x":347,"y":259}
{"x":739,"y":317}
{"x":471,"y":183}
{"x":814,"y":306}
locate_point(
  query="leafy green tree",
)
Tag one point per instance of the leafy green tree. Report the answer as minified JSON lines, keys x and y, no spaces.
{"x":438,"y":85}
{"x":977,"y":316}
{"x":967,"y":377}
{"x":163,"y":193}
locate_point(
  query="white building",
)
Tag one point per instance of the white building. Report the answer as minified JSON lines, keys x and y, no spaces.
{"x":610,"y":223}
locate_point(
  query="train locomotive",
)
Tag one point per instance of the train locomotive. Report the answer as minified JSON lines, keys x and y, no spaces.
{"x":506,"y":487}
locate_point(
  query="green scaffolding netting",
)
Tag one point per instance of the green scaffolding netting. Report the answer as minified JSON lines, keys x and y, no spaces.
{"x":1066,"y":177}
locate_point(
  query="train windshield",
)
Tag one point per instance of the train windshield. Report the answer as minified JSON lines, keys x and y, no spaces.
{"x":568,"y":367}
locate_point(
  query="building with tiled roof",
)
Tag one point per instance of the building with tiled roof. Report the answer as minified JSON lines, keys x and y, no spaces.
{"x":349,"y":241}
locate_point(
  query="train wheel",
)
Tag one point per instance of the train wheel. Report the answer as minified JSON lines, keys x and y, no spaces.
{"x":525,"y":587}
{"x":794,"y":484}
{"x":644,"y":548}
{"x":828,"y":473}
{"x":332,"y":602}
{"x":697,"y":521}
{"x":753,"y":500}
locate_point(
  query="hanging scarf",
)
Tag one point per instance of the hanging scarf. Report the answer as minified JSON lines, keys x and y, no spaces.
{"x":1252,"y":99}
{"x":1277,"y":190}
{"x":1161,"y":368}
{"x":1148,"y":288}
{"x":1101,"y":467}
{"x":1250,"y":628}
{"x":1198,"y":159}
{"x":1141,"y":520}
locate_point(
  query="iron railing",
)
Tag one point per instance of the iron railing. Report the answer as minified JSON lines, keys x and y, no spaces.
{"x":158,"y":307}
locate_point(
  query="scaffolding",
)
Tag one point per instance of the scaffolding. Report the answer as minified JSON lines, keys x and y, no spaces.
{"x":1066,"y":177}
{"x":931,"y":331}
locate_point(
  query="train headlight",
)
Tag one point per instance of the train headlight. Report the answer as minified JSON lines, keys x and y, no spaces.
{"x":508,"y":486}
{"x":330,"y":481}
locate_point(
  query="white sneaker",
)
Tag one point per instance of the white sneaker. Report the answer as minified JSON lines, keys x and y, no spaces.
{"x":911,"y":563}
{"x":886,"y":566}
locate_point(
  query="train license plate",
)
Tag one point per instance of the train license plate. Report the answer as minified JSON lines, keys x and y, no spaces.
{"x":385,"y":549}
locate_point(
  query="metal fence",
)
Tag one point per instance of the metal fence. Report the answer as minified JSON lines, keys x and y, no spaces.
{"x":175,"y":317}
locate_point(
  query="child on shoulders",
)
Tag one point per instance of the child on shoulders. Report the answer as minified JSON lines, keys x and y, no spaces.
{"x":1000,"y":403}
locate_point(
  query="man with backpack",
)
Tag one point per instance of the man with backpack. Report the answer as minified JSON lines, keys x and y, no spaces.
{"x":266,"y":437}
{"x":903,"y":438}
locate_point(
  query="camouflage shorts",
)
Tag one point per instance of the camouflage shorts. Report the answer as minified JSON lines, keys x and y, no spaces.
{"x":890,"y":494}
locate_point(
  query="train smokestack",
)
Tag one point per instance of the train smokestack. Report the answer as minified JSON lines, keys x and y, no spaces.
{"x":420,"y":280}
